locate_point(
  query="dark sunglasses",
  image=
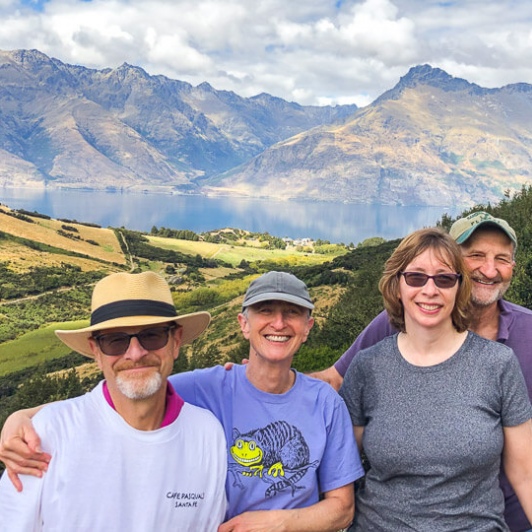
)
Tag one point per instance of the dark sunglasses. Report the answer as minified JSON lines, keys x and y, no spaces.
{"x":114,"y":344}
{"x":441,"y":280}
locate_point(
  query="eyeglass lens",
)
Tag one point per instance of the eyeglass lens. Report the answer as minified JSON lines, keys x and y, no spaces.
{"x":114,"y":344}
{"x":441,"y":280}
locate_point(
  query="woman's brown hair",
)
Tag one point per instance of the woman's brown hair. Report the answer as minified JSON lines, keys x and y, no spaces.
{"x":448,"y":252}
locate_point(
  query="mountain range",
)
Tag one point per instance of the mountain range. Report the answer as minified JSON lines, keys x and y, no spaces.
{"x":70,"y":126}
{"x":433,"y":139}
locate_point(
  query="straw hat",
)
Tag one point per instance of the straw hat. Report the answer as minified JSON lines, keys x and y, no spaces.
{"x":132,"y":299}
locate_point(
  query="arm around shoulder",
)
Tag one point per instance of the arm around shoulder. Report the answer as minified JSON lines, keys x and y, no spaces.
{"x":20,"y":447}
{"x":378,"y":329}
{"x":329,"y":375}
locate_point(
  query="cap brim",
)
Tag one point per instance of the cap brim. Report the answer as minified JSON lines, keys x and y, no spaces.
{"x":276,"y":296}
{"x":78,"y":340}
{"x":466,"y":235}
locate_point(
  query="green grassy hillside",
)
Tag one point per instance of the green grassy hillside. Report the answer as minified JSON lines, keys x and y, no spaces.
{"x":48,"y":268}
{"x":45,"y":284}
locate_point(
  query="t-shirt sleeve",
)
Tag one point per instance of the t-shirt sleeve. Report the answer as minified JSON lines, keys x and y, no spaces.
{"x":516,"y":407}
{"x":378,"y":329}
{"x":184,"y":385}
{"x":203,"y":387}
{"x":340,"y":464}
{"x":21,"y":512}
{"x":351,"y":392}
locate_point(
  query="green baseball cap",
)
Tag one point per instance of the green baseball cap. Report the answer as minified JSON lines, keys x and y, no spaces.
{"x":463,"y":228}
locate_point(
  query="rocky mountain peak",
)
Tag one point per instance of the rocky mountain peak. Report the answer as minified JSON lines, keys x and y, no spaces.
{"x":206,"y":87}
{"x":25,"y":58}
{"x":431,"y":140}
{"x":434,"y":77}
{"x":32,"y":71}
{"x":129,"y":73}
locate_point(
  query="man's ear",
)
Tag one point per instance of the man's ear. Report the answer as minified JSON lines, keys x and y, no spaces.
{"x":310,"y":324}
{"x":178,"y":335}
{"x":244,"y":325}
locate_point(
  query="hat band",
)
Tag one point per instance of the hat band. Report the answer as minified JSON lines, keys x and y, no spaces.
{"x":132,"y":307}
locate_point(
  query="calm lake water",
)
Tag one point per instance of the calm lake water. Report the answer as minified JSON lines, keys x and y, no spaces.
{"x":336,"y":222}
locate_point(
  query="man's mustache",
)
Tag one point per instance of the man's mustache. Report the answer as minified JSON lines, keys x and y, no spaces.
{"x":128,"y":364}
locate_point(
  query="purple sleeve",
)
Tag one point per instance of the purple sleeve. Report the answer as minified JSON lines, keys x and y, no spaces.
{"x":376,"y":331}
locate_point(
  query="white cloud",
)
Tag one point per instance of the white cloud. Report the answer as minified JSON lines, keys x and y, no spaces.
{"x":310,"y":51}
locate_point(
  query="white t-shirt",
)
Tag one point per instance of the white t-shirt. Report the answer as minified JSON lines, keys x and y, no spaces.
{"x":107,"y":476}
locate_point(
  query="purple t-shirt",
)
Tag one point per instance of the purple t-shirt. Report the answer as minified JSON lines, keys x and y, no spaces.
{"x":515,"y":331}
{"x":284,"y":449}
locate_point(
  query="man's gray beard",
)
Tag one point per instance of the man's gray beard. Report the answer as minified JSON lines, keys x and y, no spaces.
{"x":136,"y":389}
{"x":496,"y":296}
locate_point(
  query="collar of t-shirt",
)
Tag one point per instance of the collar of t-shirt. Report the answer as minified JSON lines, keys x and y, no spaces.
{"x":174,"y":403}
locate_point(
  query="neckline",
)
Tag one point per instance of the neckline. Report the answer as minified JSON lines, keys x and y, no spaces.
{"x":269,"y":396}
{"x":433,"y":367}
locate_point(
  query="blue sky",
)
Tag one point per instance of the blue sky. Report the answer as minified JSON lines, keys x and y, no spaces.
{"x":37,"y":5}
{"x":309,"y":51}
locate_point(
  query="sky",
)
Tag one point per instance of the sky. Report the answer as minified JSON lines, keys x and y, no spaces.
{"x":313,"y":52}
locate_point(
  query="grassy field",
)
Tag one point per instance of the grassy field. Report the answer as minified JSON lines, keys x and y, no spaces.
{"x":45,"y":231}
{"x":235,"y":254}
{"x":21,"y":258}
{"x":34,"y":348}
{"x":217,"y":292}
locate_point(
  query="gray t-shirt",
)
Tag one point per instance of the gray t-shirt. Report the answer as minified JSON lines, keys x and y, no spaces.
{"x":434,"y":436}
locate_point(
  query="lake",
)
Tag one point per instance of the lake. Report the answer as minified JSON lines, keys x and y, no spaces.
{"x":336,"y":222}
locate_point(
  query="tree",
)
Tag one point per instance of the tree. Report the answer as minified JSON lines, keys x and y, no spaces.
{"x":203,"y":356}
{"x":44,"y":388}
